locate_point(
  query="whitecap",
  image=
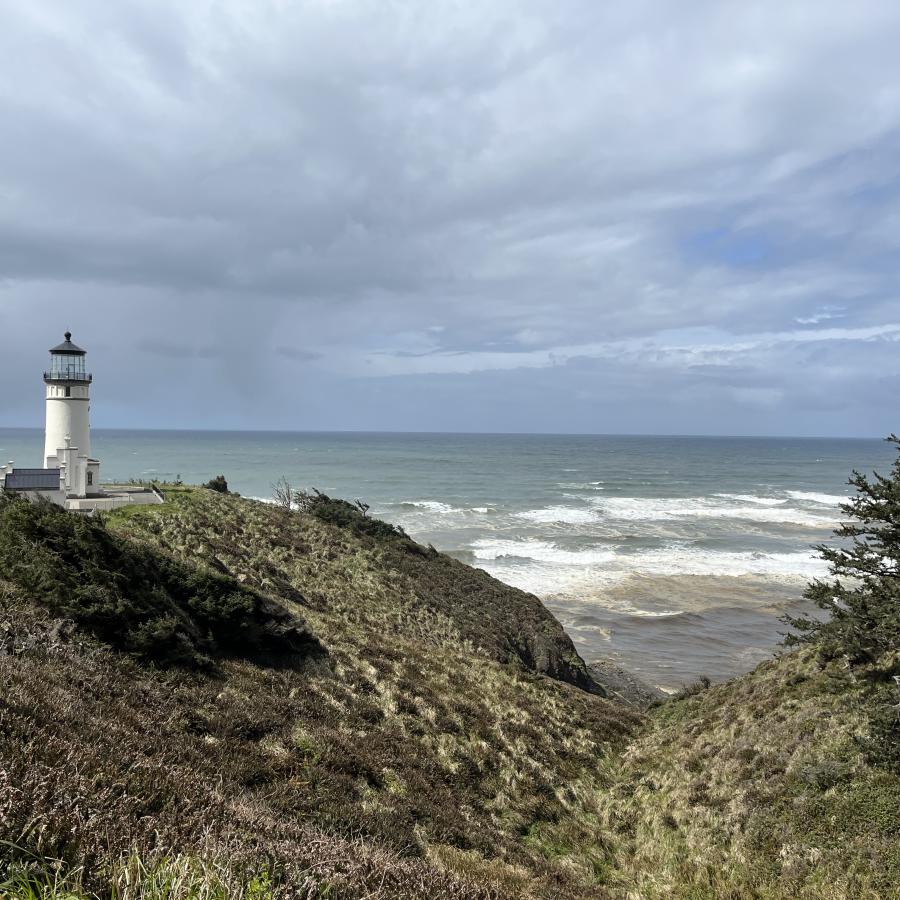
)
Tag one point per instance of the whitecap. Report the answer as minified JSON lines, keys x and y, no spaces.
{"x":657,"y":509}
{"x":690,"y":560}
{"x":652,"y":613}
{"x":564,"y":515}
{"x":430,"y":505}
{"x":540,"y":551}
{"x":549,"y":571}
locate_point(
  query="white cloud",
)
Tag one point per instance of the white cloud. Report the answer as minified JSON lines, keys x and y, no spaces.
{"x":661,"y":351}
{"x":823,"y":315}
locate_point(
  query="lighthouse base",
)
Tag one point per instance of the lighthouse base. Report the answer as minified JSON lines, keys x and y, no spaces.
{"x":79,"y":475}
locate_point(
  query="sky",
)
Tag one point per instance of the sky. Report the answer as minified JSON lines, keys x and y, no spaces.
{"x":515,"y":215}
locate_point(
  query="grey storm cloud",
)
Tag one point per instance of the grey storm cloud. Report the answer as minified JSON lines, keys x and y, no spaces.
{"x":563,"y":216}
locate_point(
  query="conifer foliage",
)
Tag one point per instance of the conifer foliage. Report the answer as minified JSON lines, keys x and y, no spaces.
{"x":864,"y":620}
{"x":863,"y":603}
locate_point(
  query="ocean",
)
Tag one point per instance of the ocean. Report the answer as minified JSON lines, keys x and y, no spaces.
{"x":673,"y":556}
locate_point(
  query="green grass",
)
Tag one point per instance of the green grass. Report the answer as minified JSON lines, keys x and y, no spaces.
{"x":28,"y":877}
{"x":758,"y":787}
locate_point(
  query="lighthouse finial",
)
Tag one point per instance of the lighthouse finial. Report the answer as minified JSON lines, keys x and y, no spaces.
{"x":68,"y":335}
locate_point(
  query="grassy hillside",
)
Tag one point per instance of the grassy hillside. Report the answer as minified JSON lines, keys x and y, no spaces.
{"x":389,"y":723}
{"x":420,"y":748}
{"x":758,"y":787}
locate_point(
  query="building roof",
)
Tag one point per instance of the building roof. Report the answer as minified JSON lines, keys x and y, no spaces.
{"x":68,"y":347}
{"x":33,"y":480}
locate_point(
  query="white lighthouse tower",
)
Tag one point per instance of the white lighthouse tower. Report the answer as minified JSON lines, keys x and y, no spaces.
{"x":67,"y":443}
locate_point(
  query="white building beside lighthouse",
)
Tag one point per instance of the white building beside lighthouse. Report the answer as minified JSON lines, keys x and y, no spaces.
{"x":67,"y":438}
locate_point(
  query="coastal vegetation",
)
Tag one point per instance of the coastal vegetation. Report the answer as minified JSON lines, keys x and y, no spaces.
{"x":862,"y":604}
{"x":219,"y":697}
{"x":218,"y":484}
{"x":136,"y":600}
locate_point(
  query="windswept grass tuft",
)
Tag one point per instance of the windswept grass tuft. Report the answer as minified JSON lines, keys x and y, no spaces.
{"x":182,"y":877}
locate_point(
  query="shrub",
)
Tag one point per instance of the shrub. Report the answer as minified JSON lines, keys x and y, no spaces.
{"x":217,"y":484}
{"x":283,"y":493}
{"x":862,"y":623}
{"x":343,"y":514}
{"x":138,"y":599}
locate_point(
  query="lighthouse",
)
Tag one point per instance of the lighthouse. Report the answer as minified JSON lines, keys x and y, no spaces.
{"x":70,"y":477}
{"x":67,"y":440}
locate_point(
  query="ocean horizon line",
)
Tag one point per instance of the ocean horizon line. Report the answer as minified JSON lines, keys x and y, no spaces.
{"x":403,"y":433}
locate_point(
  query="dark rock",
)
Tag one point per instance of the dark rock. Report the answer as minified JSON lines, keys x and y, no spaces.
{"x":621,"y":685}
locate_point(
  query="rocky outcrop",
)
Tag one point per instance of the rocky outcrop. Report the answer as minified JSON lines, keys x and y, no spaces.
{"x":623,"y":686}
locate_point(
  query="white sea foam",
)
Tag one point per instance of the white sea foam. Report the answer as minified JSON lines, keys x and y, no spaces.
{"x":441,"y":512}
{"x":657,"y":509}
{"x":814,"y":497}
{"x":654,"y":613}
{"x":540,"y":551}
{"x":546,"y":569}
{"x":687,"y":560}
{"x":565,"y":515}
{"x":430,"y":505}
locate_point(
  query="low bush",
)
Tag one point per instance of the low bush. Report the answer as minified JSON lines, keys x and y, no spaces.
{"x":352,"y":516}
{"x":217,"y":484}
{"x":136,"y":599}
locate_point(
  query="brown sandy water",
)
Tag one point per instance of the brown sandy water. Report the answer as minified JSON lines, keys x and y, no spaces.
{"x":672,"y":630}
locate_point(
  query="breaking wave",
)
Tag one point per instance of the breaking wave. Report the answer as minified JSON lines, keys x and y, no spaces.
{"x":546,"y":569}
{"x":437,"y":508}
{"x":723,"y":563}
{"x":540,"y":551}
{"x":676,"y":559}
{"x":564,"y":515}
{"x":807,"y":510}
{"x":657,"y":509}
{"x":754,"y":498}
{"x":430,"y":505}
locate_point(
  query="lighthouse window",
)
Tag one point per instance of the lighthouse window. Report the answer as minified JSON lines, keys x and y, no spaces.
{"x":90,"y":478}
{"x":68,"y":392}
